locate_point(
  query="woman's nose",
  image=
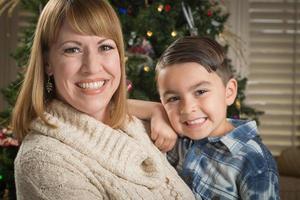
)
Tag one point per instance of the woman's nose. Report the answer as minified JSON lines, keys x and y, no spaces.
{"x":91,"y":62}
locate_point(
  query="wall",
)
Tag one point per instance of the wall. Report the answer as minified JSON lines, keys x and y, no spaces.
{"x":8,"y":40}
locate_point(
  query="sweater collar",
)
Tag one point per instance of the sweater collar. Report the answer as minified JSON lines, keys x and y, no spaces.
{"x":119,"y":152}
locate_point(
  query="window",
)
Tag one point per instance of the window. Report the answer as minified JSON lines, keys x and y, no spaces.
{"x":273,"y":56}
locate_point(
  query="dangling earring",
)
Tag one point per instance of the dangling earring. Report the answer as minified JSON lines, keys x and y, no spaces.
{"x":49,"y":85}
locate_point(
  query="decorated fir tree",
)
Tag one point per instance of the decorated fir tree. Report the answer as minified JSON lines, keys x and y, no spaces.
{"x":149,"y":26}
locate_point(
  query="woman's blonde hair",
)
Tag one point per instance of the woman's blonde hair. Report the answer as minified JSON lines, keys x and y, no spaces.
{"x":92,"y":17}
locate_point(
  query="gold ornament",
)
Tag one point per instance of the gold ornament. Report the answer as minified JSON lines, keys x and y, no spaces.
{"x":238,"y":104}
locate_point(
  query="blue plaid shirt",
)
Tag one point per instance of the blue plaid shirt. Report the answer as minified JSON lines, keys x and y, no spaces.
{"x":235,"y":166}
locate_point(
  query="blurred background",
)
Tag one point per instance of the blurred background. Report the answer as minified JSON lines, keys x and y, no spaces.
{"x":262,"y":40}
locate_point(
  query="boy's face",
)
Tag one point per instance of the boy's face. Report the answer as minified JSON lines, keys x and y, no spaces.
{"x":195,"y":100}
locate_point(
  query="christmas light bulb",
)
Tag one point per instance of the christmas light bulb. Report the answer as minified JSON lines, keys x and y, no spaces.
{"x":149,"y":33}
{"x":174,"y":34}
{"x":146,"y":68}
{"x":160,"y":8}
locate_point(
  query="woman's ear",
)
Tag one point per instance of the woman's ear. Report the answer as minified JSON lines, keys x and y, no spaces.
{"x":231,"y":91}
{"x":48,"y":69}
{"x":47,"y":66}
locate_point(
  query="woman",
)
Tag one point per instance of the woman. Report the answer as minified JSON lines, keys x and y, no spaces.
{"x":77,"y":139}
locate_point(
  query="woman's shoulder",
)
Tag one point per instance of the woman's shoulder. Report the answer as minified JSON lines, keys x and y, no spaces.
{"x":40,"y":154}
{"x":35,"y":140}
{"x":37,"y":148}
{"x":46,"y":167}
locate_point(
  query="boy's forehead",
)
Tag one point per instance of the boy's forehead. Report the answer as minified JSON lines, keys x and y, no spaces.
{"x":185,"y":76}
{"x":183,"y":69}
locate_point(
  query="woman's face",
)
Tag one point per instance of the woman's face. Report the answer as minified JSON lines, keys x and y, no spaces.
{"x":86,"y":71}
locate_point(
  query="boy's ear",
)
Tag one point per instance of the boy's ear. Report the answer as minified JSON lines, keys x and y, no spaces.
{"x":231,"y":91}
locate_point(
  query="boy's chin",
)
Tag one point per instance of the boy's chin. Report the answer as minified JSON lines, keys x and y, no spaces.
{"x":192,"y":136}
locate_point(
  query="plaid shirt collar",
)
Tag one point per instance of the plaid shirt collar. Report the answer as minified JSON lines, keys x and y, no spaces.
{"x":242,"y":133}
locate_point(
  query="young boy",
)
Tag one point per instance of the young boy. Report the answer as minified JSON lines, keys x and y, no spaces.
{"x":218,"y":158}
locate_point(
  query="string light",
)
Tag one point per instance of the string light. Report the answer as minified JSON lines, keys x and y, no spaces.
{"x":149,"y":33}
{"x":160,"y":8}
{"x":146,"y":68}
{"x":174,"y":34}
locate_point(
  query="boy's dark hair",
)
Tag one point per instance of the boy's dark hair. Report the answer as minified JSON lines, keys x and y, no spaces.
{"x":202,"y":50}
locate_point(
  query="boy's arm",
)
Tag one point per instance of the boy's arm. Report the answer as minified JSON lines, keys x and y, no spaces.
{"x":264,"y":185}
{"x":162,"y":134}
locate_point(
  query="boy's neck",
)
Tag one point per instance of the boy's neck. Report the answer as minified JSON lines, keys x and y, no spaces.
{"x":225,"y":128}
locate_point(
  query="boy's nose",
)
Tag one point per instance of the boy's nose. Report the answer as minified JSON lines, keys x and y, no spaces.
{"x":188,"y":106}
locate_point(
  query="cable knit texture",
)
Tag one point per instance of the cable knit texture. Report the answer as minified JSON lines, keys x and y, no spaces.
{"x":85,"y":159}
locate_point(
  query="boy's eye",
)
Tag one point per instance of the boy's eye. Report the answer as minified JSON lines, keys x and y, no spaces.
{"x":172,"y":99}
{"x":200,"y":92}
{"x":72,"y":50}
{"x":106,"y":47}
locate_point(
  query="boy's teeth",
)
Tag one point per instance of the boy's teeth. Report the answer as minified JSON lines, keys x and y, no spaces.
{"x":196,"y":121}
{"x":91,"y":85}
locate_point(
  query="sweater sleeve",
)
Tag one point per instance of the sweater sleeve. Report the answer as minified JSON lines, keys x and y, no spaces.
{"x":47,"y":176}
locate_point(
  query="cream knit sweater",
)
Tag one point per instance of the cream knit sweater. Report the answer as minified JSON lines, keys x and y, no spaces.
{"x":86,"y":160}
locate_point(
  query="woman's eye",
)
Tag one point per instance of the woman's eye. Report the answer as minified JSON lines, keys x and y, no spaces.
{"x":106,"y":47}
{"x":72,"y":50}
{"x":200,"y":92}
{"x":172,"y":99}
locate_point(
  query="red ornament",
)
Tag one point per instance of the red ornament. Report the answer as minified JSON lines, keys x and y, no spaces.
{"x":236,"y":117}
{"x":2,"y":136}
{"x":167,"y":7}
{"x":129,"y":85}
{"x":209,"y":13}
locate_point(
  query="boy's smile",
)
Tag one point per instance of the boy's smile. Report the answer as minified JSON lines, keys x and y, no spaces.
{"x":195,"y":100}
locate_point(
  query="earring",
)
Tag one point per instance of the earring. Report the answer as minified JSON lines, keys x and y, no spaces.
{"x":49,"y":85}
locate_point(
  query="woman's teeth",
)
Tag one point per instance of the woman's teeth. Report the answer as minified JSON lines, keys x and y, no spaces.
{"x":91,"y":85}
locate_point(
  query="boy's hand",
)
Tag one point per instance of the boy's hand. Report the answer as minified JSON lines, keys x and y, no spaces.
{"x":162,"y":134}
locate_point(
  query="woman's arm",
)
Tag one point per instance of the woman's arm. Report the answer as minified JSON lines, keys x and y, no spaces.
{"x":162,"y":134}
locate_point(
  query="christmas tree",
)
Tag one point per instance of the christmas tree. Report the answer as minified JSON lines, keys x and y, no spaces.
{"x":149,"y":26}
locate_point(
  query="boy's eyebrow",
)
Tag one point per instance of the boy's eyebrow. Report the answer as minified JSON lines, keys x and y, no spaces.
{"x":200,"y":84}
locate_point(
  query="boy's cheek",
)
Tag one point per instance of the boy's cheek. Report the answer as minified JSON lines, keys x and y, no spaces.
{"x":174,"y":120}
{"x":170,"y":112}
